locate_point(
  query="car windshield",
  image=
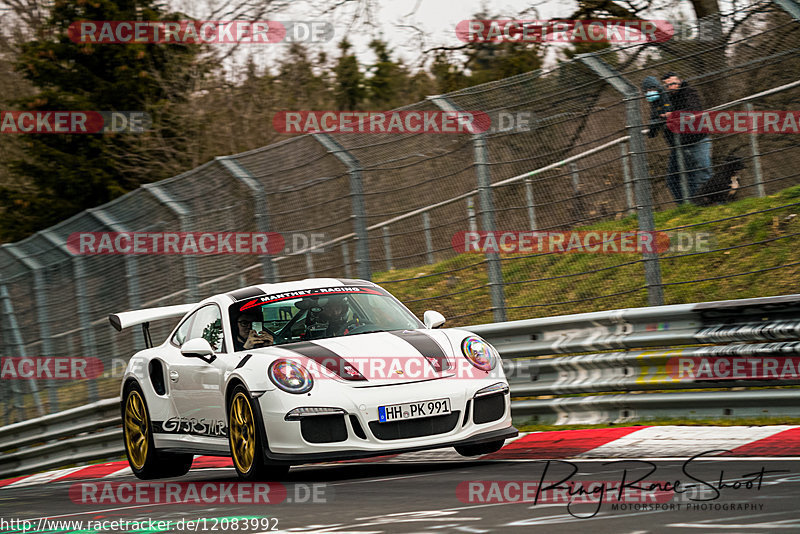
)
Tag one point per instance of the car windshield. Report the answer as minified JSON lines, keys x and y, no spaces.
{"x":319,"y":313}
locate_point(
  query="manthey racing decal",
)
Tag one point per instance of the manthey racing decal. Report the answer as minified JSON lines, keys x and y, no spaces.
{"x":288,"y":295}
{"x":191,"y":426}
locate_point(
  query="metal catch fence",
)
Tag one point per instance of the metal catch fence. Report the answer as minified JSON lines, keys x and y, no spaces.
{"x":567,"y":151}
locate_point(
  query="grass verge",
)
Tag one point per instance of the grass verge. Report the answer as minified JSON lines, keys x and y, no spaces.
{"x":753,"y":253}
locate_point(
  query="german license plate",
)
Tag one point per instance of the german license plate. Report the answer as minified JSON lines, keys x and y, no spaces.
{"x":413,"y":410}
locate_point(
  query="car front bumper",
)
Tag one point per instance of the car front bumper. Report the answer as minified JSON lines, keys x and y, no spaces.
{"x":286,"y":442}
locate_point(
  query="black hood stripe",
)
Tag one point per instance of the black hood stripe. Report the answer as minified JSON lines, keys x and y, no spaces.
{"x":355,"y":282}
{"x":425,"y":345}
{"x":246,"y":293}
{"x":327,"y":359}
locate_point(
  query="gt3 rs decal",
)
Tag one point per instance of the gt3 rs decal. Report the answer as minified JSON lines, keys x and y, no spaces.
{"x":327,"y":359}
{"x":427,"y":346}
{"x":192,"y":426}
{"x":288,"y":295}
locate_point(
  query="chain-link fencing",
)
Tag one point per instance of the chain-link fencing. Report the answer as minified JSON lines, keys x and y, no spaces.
{"x":568,"y":150}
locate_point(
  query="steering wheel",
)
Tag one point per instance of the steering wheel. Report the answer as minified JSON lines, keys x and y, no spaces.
{"x":285,"y":333}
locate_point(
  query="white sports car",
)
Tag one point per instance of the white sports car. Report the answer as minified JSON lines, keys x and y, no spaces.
{"x":322,"y":369}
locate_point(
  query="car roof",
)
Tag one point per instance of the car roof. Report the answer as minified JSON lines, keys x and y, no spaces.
{"x":309,"y":283}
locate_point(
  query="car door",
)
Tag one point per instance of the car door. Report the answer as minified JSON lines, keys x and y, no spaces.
{"x":197,"y":382}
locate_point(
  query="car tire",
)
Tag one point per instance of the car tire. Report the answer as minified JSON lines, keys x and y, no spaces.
{"x":145,"y":460}
{"x":247,"y":439}
{"x":480,"y":449}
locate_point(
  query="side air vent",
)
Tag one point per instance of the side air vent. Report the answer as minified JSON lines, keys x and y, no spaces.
{"x":156,"y":370}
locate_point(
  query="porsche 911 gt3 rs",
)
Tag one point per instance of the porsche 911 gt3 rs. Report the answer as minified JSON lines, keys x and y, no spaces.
{"x":316,"y":370}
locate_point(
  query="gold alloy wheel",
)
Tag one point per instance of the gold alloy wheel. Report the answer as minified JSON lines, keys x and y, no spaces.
{"x":242,"y":432}
{"x":136,"y":429}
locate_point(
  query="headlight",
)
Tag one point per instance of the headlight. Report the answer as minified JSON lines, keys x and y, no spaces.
{"x":290,"y":376}
{"x":479,"y":353}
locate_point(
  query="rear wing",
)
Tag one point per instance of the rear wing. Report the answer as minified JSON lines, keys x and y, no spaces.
{"x":127,"y":319}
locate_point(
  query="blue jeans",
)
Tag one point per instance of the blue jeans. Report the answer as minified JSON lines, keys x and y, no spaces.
{"x":697,"y":162}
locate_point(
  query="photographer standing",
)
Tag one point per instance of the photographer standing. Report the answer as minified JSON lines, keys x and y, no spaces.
{"x":660,"y":106}
{"x":696,"y":146}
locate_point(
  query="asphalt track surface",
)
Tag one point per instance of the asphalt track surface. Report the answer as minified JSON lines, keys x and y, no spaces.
{"x":423,"y":497}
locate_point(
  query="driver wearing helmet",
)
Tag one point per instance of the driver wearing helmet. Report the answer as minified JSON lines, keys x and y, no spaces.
{"x":335,"y":312}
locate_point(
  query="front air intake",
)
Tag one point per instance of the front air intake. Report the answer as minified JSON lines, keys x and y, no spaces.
{"x":323,"y":428}
{"x":415,"y":428}
{"x":489,"y":408}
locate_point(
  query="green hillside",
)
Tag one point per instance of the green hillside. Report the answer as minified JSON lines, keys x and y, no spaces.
{"x":752,"y":235}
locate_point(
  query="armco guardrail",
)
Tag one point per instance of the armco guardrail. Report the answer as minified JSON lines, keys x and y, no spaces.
{"x":73,"y":436}
{"x":712,"y":345}
{"x":726,"y":345}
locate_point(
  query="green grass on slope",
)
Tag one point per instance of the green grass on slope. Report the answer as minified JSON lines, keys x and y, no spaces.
{"x":753,"y":234}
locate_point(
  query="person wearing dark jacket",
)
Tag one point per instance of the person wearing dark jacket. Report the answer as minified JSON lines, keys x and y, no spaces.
{"x":696,"y":147}
{"x":660,"y":105}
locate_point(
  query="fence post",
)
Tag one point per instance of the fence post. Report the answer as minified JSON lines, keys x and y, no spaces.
{"x":357,"y":199}
{"x":269,"y":270}
{"x":346,"y":259}
{"x":576,"y":179}
{"x":184,"y":220}
{"x":387,"y":247}
{"x":481,"y":155}
{"x":16,"y":341}
{"x":626,"y":177}
{"x":641,"y":176}
{"x":791,"y":7}
{"x":88,"y":342}
{"x":309,"y":264}
{"x":759,"y":178}
{"x":529,"y":201}
{"x":473,"y":222}
{"x":39,"y":292}
{"x":577,"y":201}
{"x":131,"y":267}
{"x":426,"y":226}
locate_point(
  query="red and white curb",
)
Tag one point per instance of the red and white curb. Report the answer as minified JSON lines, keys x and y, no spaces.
{"x":625,"y":442}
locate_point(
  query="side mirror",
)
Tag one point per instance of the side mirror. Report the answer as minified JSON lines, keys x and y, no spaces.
{"x":198,"y":348}
{"x":433,"y":319}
